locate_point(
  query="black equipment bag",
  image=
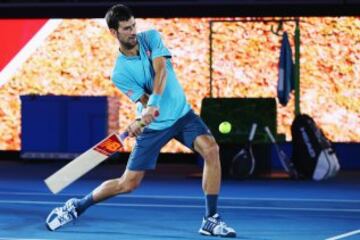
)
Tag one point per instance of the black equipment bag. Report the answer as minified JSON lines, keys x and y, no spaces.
{"x":313,"y":154}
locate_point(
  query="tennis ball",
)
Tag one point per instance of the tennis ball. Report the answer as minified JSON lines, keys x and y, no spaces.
{"x":225,"y":127}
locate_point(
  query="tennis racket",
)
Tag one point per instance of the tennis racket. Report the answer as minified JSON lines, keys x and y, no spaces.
{"x":284,"y":159}
{"x":243,"y":163}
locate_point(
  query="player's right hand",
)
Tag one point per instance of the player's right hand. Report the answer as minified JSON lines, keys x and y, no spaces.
{"x":149,"y":114}
{"x":135,"y":128}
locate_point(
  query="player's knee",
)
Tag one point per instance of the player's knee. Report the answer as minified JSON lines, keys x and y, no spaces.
{"x":210,"y":151}
{"x":129,"y":181}
{"x":130,"y":184}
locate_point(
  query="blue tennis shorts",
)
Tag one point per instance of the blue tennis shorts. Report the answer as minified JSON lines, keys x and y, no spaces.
{"x":149,"y":143}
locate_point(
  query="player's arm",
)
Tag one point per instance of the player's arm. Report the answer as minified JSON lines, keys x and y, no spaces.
{"x":144,"y":100}
{"x":159,"y":65}
{"x":135,"y":128}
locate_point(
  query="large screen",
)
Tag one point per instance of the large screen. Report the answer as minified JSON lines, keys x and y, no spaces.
{"x":76,"y":56}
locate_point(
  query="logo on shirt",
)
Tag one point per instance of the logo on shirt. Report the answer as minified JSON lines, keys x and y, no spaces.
{"x":129,"y":93}
{"x":148,"y":53}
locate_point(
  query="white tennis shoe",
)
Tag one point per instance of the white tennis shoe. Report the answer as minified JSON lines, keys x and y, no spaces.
{"x":62,"y":215}
{"x":215,"y":226}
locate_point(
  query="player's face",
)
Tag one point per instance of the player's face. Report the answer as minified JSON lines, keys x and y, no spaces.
{"x":126,"y":33}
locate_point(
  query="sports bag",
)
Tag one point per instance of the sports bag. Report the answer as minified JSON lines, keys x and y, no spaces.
{"x":313,"y":155}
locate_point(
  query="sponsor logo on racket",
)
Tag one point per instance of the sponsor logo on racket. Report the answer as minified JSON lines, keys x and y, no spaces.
{"x":109,"y":145}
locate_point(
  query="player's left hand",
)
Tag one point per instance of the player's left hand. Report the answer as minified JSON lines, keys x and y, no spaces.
{"x":134,"y":129}
{"x":149,"y":115}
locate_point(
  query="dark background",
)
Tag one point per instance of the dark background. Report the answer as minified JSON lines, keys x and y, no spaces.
{"x":181,"y":8}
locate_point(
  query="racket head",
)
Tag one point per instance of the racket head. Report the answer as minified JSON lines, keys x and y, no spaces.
{"x":243,"y":163}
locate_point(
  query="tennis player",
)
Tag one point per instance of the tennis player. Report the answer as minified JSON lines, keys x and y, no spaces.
{"x":143,"y":71}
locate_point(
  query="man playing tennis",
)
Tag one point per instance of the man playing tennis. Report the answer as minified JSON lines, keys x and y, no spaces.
{"x":143,"y":71}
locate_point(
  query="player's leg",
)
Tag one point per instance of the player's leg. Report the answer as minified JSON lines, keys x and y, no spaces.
{"x":207,"y":147}
{"x":74,"y":207}
{"x":142,"y":158}
{"x":212,"y":223}
{"x":128,"y":182}
{"x":196,"y":135}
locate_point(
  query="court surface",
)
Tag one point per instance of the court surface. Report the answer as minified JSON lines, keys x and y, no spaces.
{"x":166,"y":207}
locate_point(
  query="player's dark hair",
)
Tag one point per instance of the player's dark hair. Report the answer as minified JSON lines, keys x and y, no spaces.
{"x":116,"y":13}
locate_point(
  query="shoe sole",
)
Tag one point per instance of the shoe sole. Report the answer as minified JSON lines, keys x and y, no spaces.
{"x":48,"y":228}
{"x":53,"y":225}
{"x":203,"y":232}
{"x":206,"y":233}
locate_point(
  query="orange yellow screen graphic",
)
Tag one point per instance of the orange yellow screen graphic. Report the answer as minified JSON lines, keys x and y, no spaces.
{"x":76,"y":56}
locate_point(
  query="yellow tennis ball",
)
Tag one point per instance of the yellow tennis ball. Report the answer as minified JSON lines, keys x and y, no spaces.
{"x":225,"y":127}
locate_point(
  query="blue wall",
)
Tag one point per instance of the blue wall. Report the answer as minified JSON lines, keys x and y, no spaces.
{"x":62,"y":124}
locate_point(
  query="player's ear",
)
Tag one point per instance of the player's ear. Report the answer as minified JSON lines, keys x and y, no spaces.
{"x":113,"y":32}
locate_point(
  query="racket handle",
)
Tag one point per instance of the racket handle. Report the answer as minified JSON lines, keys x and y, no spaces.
{"x":124,"y":135}
{"x":252,"y":132}
{"x":142,"y":124}
{"x":267,"y":130}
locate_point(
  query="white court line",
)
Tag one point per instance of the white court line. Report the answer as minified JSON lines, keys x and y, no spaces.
{"x":188,"y":206}
{"x":344,"y":235}
{"x":6,"y":238}
{"x":191,"y":197}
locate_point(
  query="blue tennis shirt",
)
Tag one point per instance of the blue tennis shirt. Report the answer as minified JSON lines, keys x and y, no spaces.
{"x":134,"y":76}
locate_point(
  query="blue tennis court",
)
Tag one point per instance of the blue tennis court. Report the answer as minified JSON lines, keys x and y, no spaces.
{"x":166,"y":207}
